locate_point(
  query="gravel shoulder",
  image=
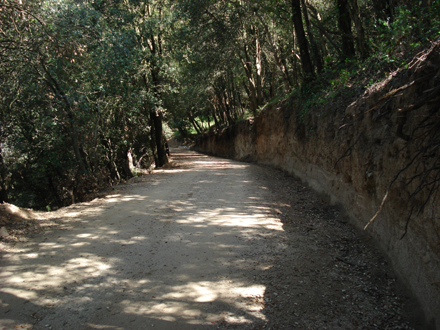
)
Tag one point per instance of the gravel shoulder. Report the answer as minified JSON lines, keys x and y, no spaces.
{"x":208,"y":243}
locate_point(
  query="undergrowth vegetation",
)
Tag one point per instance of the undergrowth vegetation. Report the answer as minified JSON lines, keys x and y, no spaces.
{"x":393,"y":47}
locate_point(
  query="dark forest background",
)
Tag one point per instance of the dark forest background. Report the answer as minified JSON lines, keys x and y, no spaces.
{"x":91,"y":90}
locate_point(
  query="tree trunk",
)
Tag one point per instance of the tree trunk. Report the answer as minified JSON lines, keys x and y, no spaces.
{"x":344,"y":22}
{"x":360,"y":33}
{"x":294,"y":62}
{"x":227,"y":107}
{"x":221,"y":96}
{"x":3,"y":171}
{"x":235,"y":94}
{"x":194,"y":123}
{"x":156,"y":119}
{"x":251,"y":90}
{"x":384,"y":9}
{"x":273,"y":83}
{"x":153,"y":144}
{"x":314,"y":13}
{"x":426,"y":8}
{"x":276,"y":53}
{"x":122,"y":162}
{"x":95,"y":140}
{"x":306,"y":62}
{"x":314,"y":46}
{"x":216,"y":122}
{"x":53,"y":84}
{"x":111,"y":165}
{"x":3,"y":186}
{"x":259,"y":70}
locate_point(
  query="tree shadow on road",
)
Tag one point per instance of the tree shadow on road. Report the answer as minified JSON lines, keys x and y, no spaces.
{"x":201,"y":245}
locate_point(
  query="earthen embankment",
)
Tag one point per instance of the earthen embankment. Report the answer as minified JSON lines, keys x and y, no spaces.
{"x":377,"y":155}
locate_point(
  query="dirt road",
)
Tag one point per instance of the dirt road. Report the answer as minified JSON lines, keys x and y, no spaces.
{"x":208,"y":244}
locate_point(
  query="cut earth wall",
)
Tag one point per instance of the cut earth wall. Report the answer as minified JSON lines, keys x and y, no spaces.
{"x":353,"y":154}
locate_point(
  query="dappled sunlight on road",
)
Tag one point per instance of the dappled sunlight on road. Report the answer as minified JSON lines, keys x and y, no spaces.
{"x":167,"y":252}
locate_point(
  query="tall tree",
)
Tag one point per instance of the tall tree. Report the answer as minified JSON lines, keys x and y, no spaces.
{"x":62,"y":77}
{"x":309,"y":73}
{"x":3,"y":170}
{"x":360,"y":32}
{"x":384,"y":9}
{"x":154,"y":40}
{"x":314,"y":45}
{"x":344,"y":22}
{"x":277,"y":54}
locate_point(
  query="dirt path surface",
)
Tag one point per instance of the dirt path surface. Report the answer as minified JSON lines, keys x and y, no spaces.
{"x":208,"y":244}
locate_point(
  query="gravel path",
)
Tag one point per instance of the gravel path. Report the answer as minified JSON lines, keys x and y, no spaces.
{"x":207,"y":244}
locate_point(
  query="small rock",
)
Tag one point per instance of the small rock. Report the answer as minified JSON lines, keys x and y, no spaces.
{"x":4,"y":232}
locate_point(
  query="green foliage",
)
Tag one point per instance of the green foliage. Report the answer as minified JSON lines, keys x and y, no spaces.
{"x":342,"y":80}
{"x":412,"y":28}
{"x":82,"y":83}
{"x":74,"y":102}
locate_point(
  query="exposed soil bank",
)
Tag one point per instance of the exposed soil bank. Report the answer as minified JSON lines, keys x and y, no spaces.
{"x":385,"y":143}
